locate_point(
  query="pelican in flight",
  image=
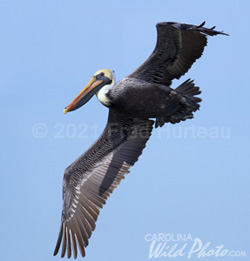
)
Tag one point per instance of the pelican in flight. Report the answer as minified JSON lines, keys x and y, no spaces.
{"x":132,"y":103}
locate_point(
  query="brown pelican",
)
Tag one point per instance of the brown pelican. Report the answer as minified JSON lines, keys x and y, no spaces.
{"x":142,"y":95}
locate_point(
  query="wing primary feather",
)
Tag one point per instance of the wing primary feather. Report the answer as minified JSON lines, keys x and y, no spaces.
{"x":78,"y":236}
{"x":95,"y":198}
{"x":87,"y":223}
{"x":87,"y":227}
{"x":94,"y":207}
{"x":68,"y":242}
{"x":81,"y":247}
{"x":201,"y":25}
{"x":82,"y":230}
{"x":59,"y":240}
{"x":90,"y":215}
{"x":73,"y":240}
{"x":64,"y":241}
{"x":80,"y":242}
{"x":89,"y":186}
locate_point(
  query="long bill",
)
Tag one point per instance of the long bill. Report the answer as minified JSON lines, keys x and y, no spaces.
{"x":87,"y":92}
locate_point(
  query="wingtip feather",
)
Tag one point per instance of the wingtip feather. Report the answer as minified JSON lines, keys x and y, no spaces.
{"x":59,"y":240}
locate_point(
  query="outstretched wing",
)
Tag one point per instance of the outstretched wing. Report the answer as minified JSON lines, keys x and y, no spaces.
{"x":178,"y":46}
{"x":91,"y":179}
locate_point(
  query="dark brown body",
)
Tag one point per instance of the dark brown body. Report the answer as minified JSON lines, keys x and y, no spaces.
{"x":140,"y":99}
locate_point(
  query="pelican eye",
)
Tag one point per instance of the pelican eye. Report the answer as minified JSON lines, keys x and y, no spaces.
{"x":100,"y":75}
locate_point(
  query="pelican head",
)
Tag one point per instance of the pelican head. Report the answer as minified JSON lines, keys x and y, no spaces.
{"x":99,"y":84}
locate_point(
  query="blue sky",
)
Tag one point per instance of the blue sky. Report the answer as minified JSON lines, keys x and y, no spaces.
{"x":192,"y":179}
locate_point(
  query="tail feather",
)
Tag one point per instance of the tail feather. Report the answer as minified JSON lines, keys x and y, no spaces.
{"x":186,"y":93}
{"x":188,"y":88}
